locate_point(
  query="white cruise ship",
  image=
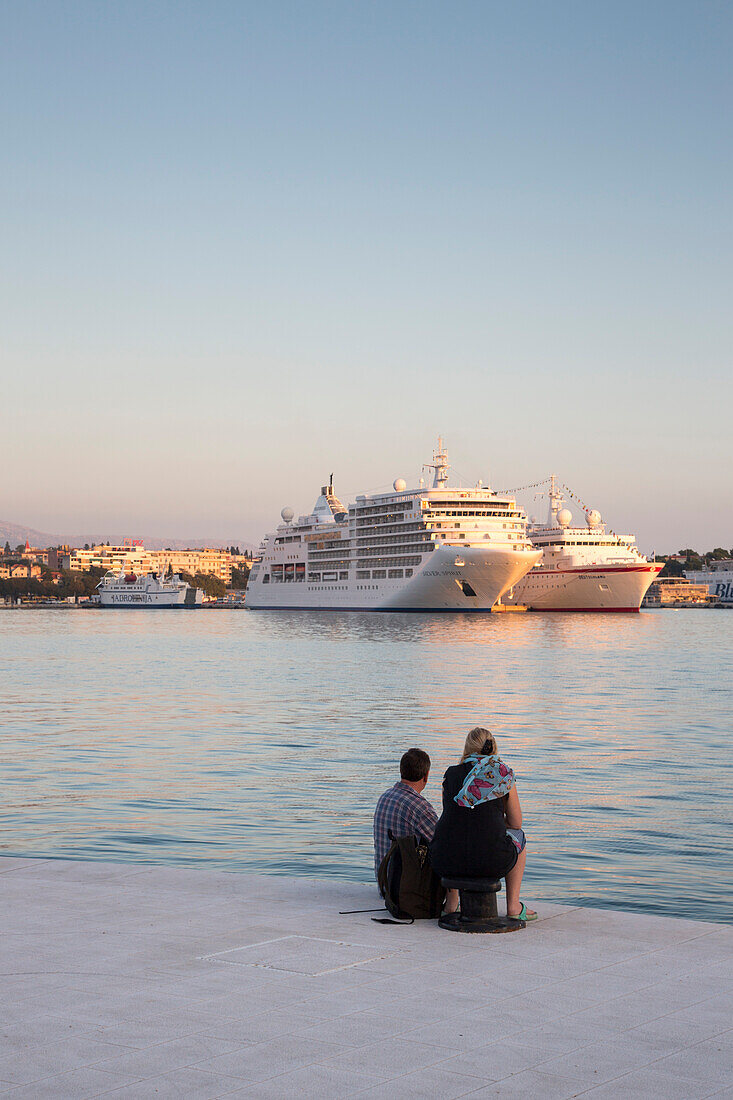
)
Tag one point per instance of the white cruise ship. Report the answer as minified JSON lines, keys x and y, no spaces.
{"x":431,"y":548}
{"x":582,"y":568}
{"x":126,"y":589}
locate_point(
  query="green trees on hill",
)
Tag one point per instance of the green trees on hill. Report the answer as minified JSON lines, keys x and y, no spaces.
{"x":239,"y":578}
{"x":212,"y":586}
{"x":692,"y":560}
{"x":73,"y":583}
{"x":45,"y":587}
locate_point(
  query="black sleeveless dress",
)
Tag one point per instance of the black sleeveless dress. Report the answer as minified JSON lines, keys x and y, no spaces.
{"x":473,"y":842}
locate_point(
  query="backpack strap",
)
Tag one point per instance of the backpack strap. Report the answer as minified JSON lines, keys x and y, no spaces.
{"x":389,"y":920}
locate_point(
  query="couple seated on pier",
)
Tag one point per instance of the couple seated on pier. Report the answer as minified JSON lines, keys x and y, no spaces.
{"x":479,"y":833}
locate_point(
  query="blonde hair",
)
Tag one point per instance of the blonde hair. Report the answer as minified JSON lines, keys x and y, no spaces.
{"x":476,"y":740}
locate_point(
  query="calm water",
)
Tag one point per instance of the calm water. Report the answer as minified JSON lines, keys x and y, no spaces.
{"x":260,"y":741}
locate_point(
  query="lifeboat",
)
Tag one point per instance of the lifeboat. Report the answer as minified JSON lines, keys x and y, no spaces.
{"x":130,"y":578}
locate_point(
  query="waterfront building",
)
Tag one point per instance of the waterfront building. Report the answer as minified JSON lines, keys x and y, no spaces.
{"x":676,"y":592}
{"x":106,"y":557}
{"x":717,"y":580}
{"x":210,"y":562}
{"x":133,"y":556}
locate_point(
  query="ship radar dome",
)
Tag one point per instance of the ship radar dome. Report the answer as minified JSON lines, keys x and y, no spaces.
{"x":564,"y":517}
{"x":399,"y":485}
{"x":287,"y":515}
{"x":593,"y":518}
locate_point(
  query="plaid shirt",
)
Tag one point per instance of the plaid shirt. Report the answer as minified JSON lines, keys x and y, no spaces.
{"x":405,"y":812}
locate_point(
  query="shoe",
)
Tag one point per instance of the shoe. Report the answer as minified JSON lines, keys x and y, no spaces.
{"x":524,"y":914}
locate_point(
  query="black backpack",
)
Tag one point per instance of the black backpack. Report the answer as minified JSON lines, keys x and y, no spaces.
{"x":410,"y":887}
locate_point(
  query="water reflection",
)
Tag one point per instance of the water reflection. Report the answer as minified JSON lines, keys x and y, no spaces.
{"x":260,"y":741}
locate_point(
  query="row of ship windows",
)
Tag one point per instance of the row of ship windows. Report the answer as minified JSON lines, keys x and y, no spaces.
{"x":384,"y":552}
{"x":365,"y":531}
{"x":401,"y":535}
{"x":361,"y":575}
{"x":404,"y":557}
{"x":388,"y":529}
{"x":396,"y":548}
{"x":382,"y":574}
{"x":367,"y":517}
{"x":366,"y":563}
{"x":392,"y":551}
{"x":382,"y":510}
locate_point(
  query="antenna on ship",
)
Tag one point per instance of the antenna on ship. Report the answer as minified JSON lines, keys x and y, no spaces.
{"x":440,"y":465}
{"x":556,"y":501}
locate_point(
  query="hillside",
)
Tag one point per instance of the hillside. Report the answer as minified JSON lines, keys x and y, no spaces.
{"x":16,"y":533}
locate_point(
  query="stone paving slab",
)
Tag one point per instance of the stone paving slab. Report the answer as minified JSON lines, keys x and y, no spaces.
{"x":133,"y":981}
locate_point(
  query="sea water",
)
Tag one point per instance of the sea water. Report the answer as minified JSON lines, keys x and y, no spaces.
{"x":260,"y":741}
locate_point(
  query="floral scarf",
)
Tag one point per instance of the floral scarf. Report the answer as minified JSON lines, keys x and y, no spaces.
{"x":488,"y":778}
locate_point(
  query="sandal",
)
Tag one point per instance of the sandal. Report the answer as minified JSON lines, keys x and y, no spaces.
{"x":524,"y":914}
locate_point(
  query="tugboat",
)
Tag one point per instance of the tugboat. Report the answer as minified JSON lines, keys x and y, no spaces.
{"x":150,"y":590}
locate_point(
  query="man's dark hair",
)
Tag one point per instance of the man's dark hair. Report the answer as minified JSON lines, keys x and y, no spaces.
{"x":414,"y":765}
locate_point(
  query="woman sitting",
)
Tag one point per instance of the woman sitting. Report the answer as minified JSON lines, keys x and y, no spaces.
{"x":479,"y":833}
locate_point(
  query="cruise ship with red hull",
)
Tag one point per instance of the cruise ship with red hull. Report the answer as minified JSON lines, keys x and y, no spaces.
{"x":582,"y":568}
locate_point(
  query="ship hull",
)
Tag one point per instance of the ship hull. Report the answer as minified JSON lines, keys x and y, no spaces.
{"x":480,"y":578}
{"x":149,"y":606}
{"x":586,"y":588}
{"x":152,"y":601}
{"x":125,"y":601}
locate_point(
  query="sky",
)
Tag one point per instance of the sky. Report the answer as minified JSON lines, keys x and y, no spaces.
{"x":245,"y":245}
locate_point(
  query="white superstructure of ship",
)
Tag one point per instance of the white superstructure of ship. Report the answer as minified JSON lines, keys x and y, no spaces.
{"x":582,"y":568}
{"x":436,"y":548}
{"x":719,"y":580}
{"x":149,"y":590}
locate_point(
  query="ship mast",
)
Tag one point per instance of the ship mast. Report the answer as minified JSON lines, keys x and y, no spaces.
{"x":556,"y":502}
{"x":440,"y":465}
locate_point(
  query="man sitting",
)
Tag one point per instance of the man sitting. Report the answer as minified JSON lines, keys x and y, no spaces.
{"x":405,"y":812}
{"x":402,"y":809}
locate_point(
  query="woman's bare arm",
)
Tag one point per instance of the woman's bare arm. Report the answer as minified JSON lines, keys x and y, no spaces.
{"x":513,"y":810}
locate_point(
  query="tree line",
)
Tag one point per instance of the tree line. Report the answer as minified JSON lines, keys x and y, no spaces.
{"x":73,"y":583}
{"x":692,"y":560}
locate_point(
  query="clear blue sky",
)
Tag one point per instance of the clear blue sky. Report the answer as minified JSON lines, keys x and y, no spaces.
{"x":244,"y":245}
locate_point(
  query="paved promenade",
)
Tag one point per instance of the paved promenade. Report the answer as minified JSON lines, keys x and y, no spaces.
{"x":132,"y":981}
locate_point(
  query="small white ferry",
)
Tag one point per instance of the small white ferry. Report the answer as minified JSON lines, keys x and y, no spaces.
{"x":582,"y":568}
{"x":429,"y":548}
{"x":127,"y":589}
